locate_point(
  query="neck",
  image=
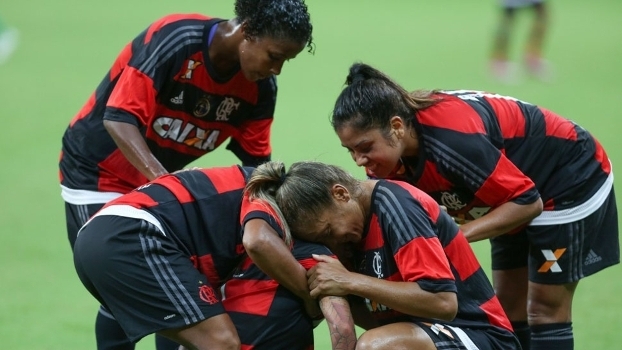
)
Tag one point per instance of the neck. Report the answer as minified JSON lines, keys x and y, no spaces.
{"x":411,"y":144}
{"x":223,"y":51}
{"x":367,"y":189}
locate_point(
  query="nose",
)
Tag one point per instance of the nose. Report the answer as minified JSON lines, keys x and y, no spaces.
{"x":359,"y":159}
{"x":276,"y":69}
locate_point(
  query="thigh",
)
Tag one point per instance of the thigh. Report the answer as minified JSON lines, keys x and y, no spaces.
{"x":142,"y":276}
{"x":216,"y":332}
{"x":76,"y":216}
{"x":511,"y":287}
{"x":400,"y":335}
{"x":550,"y":303}
{"x":509,"y":251}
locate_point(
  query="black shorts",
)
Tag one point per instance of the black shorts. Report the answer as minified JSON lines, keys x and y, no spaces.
{"x":142,"y":276}
{"x":447,"y":336}
{"x":565,"y":253}
{"x":76,"y":216}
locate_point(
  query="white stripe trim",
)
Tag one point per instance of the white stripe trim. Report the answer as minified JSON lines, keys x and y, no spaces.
{"x":82,"y":197}
{"x":552,"y":217}
{"x":464,"y":338}
{"x":129,"y":212}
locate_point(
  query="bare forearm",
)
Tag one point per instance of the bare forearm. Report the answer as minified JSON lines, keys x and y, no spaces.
{"x":270,"y":253}
{"x":135,"y":149}
{"x":405,"y":297}
{"x":340,"y":323}
{"x":501,"y":220}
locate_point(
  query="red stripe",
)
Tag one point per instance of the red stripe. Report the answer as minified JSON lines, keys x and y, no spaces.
{"x":505,"y":183}
{"x":226,"y":179}
{"x":423,"y":258}
{"x":135,"y":199}
{"x":117,"y":174}
{"x":462,"y":257}
{"x":205,"y":264}
{"x":135,"y":94}
{"x":559,"y":127}
{"x":496,"y":315}
{"x":452,"y":112}
{"x":86,"y":110}
{"x":510,"y":117}
{"x":374,"y":238}
{"x":253,"y":297}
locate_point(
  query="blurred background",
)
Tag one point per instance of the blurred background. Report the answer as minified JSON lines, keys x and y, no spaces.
{"x":66,"y":46}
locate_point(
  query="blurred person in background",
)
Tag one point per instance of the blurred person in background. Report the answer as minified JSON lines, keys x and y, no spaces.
{"x":539,"y":186}
{"x":9,"y":38}
{"x":501,"y":65}
{"x":181,"y":88}
{"x":157,"y":256}
{"x":415,"y":281}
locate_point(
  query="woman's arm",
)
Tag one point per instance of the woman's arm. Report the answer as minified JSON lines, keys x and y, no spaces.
{"x":502,"y":219}
{"x":329,"y":277}
{"x":134,"y":148}
{"x":340,"y":323}
{"x":270,"y":253}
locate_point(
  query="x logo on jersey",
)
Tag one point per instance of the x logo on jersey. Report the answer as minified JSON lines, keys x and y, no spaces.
{"x":551,"y":260}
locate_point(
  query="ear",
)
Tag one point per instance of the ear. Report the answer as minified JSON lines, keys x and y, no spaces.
{"x":340,"y":193}
{"x":397,"y":126}
{"x":244,"y":31}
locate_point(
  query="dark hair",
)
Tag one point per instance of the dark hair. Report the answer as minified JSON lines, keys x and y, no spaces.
{"x":302,"y":193}
{"x":279,"y":19}
{"x":371,"y":99}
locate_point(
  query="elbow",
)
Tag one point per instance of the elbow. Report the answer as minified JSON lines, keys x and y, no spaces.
{"x":254,"y":242}
{"x":536,"y":208}
{"x":447,"y":307}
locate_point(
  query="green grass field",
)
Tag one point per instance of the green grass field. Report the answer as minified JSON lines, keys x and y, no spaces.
{"x":67,"y":46}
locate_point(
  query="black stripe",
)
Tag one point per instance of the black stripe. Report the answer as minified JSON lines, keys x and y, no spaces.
{"x":456,"y":162}
{"x":190,"y":34}
{"x":389,"y":205}
{"x":166,"y":277}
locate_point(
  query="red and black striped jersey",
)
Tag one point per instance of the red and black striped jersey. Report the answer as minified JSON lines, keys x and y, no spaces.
{"x":479,"y":150}
{"x":164,"y":83}
{"x":204,"y":211}
{"x":267,"y":315}
{"x":410,"y":239}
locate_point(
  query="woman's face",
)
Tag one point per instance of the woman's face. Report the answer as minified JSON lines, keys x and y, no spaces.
{"x":343,"y":222}
{"x":372,"y":149}
{"x":263,"y":57}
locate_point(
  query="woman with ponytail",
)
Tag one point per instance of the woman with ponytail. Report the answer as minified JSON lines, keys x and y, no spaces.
{"x":539,"y":186}
{"x":411,"y":276}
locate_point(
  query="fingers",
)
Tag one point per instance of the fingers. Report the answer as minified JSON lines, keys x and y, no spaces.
{"x":324,"y":258}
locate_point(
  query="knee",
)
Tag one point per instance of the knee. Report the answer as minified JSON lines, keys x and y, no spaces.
{"x":223,"y":339}
{"x":365,"y":342}
{"x":226,"y":340}
{"x":544,"y":311}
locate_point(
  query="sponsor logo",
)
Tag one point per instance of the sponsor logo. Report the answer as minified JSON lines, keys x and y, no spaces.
{"x":192,"y":65}
{"x":374,"y":306}
{"x":188,"y":133}
{"x":207,"y":294}
{"x":439,"y":328}
{"x":225,"y":108}
{"x":178,"y":100}
{"x":551,"y":260}
{"x":592,"y":258}
{"x":202,"y":107}
{"x":168,"y":317}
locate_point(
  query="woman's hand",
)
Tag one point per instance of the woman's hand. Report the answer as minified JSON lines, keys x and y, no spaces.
{"x":328,"y":277}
